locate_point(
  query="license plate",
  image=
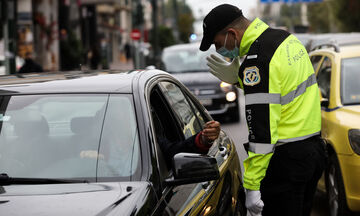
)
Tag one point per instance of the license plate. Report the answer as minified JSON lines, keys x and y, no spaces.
{"x":206,"y":102}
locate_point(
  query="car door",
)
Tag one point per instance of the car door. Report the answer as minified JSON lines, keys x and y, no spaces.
{"x":188,"y":119}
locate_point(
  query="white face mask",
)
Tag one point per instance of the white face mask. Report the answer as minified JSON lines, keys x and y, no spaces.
{"x":228,"y":53}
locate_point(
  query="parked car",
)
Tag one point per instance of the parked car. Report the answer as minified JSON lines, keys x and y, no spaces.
{"x":337,"y":69}
{"x":87,"y":144}
{"x":188,"y":64}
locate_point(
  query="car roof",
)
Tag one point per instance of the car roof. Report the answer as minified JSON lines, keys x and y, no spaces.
{"x":187,"y":46}
{"x":350,"y":50}
{"x":71,"y":82}
{"x":340,"y":39}
{"x":182,"y":46}
{"x":345,"y":51}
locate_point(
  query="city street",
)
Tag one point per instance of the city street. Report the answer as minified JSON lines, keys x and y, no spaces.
{"x":96,"y":119}
{"x":238,"y":132}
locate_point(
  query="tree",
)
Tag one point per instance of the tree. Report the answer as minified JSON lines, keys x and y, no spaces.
{"x":185,"y":23}
{"x":166,"y":37}
{"x":289,"y":16}
{"x":185,"y":18}
{"x":71,"y":52}
{"x":335,"y":15}
{"x":318,"y":16}
{"x":346,"y":14}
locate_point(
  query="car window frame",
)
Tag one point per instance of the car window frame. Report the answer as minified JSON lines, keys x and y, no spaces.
{"x":199,"y":188}
{"x":159,"y":154}
{"x":318,"y":63}
{"x":319,"y":67}
{"x":179,"y":123}
{"x":153,"y":83}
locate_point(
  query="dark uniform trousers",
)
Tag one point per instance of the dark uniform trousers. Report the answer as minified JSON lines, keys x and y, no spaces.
{"x":292,"y":176}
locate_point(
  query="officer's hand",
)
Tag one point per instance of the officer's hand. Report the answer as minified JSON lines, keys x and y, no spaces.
{"x":211,"y":131}
{"x":224,"y":70}
{"x":253,"y":202}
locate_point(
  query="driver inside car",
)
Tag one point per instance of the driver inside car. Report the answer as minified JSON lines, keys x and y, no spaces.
{"x":198,"y":143}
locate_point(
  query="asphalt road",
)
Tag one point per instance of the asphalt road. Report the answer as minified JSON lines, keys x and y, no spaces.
{"x":239,"y":133}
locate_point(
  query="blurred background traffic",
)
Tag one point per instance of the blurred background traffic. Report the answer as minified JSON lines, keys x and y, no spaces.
{"x":63,"y":35}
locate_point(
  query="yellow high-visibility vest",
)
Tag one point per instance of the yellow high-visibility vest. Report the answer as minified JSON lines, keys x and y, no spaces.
{"x":281,"y":95}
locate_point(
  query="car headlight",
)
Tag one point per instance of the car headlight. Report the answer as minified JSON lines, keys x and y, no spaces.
{"x":225,"y":87}
{"x":354,"y":139}
{"x":231,"y":96}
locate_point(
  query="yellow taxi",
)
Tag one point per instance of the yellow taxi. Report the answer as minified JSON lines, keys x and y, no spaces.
{"x":337,"y":68}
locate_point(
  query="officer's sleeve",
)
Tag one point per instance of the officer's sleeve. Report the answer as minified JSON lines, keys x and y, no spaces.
{"x":263,"y":111}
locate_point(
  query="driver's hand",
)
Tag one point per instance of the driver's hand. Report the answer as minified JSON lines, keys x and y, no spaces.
{"x":211,"y":131}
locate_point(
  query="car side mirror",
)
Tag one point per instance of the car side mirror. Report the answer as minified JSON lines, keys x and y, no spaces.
{"x":324,"y":102}
{"x":189,"y":168}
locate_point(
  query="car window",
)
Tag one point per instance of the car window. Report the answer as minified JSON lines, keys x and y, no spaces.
{"x":174,"y":122}
{"x":119,"y":148}
{"x":166,"y":127}
{"x":58,"y":136}
{"x":201,"y":117}
{"x":190,"y":123}
{"x":165,"y":124}
{"x":315,"y":60}
{"x":324,"y":76}
{"x":350,"y":79}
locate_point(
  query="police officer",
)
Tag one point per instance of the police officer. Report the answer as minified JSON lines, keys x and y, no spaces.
{"x":286,"y":154}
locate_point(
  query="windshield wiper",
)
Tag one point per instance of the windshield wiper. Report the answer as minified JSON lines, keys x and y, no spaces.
{"x":6,"y":180}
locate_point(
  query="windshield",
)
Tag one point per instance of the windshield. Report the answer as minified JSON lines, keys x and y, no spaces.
{"x":350,"y":79}
{"x":68,"y":136}
{"x":186,"y":59}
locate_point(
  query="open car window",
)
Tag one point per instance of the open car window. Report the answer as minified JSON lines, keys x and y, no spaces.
{"x":180,"y":104}
{"x":324,"y":76}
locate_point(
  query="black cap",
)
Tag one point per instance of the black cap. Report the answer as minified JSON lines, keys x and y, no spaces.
{"x":216,"y":20}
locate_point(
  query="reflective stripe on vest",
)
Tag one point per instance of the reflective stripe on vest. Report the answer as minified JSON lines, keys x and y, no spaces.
{"x":271,"y":98}
{"x":261,"y":148}
{"x":284,"y":141}
{"x":266,"y":148}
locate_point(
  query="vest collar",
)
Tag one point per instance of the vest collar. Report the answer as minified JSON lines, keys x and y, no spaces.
{"x":254,"y":30}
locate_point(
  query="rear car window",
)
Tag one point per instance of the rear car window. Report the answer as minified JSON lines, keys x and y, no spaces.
{"x":350,"y":79}
{"x":68,"y":136}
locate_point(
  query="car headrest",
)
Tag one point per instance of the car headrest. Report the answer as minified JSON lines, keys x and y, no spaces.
{"x":30,"y":123}
{"x":82,"y":125}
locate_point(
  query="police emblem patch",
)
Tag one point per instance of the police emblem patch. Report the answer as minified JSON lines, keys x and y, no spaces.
{"x":251,"y":76}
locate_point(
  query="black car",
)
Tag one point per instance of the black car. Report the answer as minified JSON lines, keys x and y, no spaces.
{"x":87,"y":144}
{"x":188,"y":64}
